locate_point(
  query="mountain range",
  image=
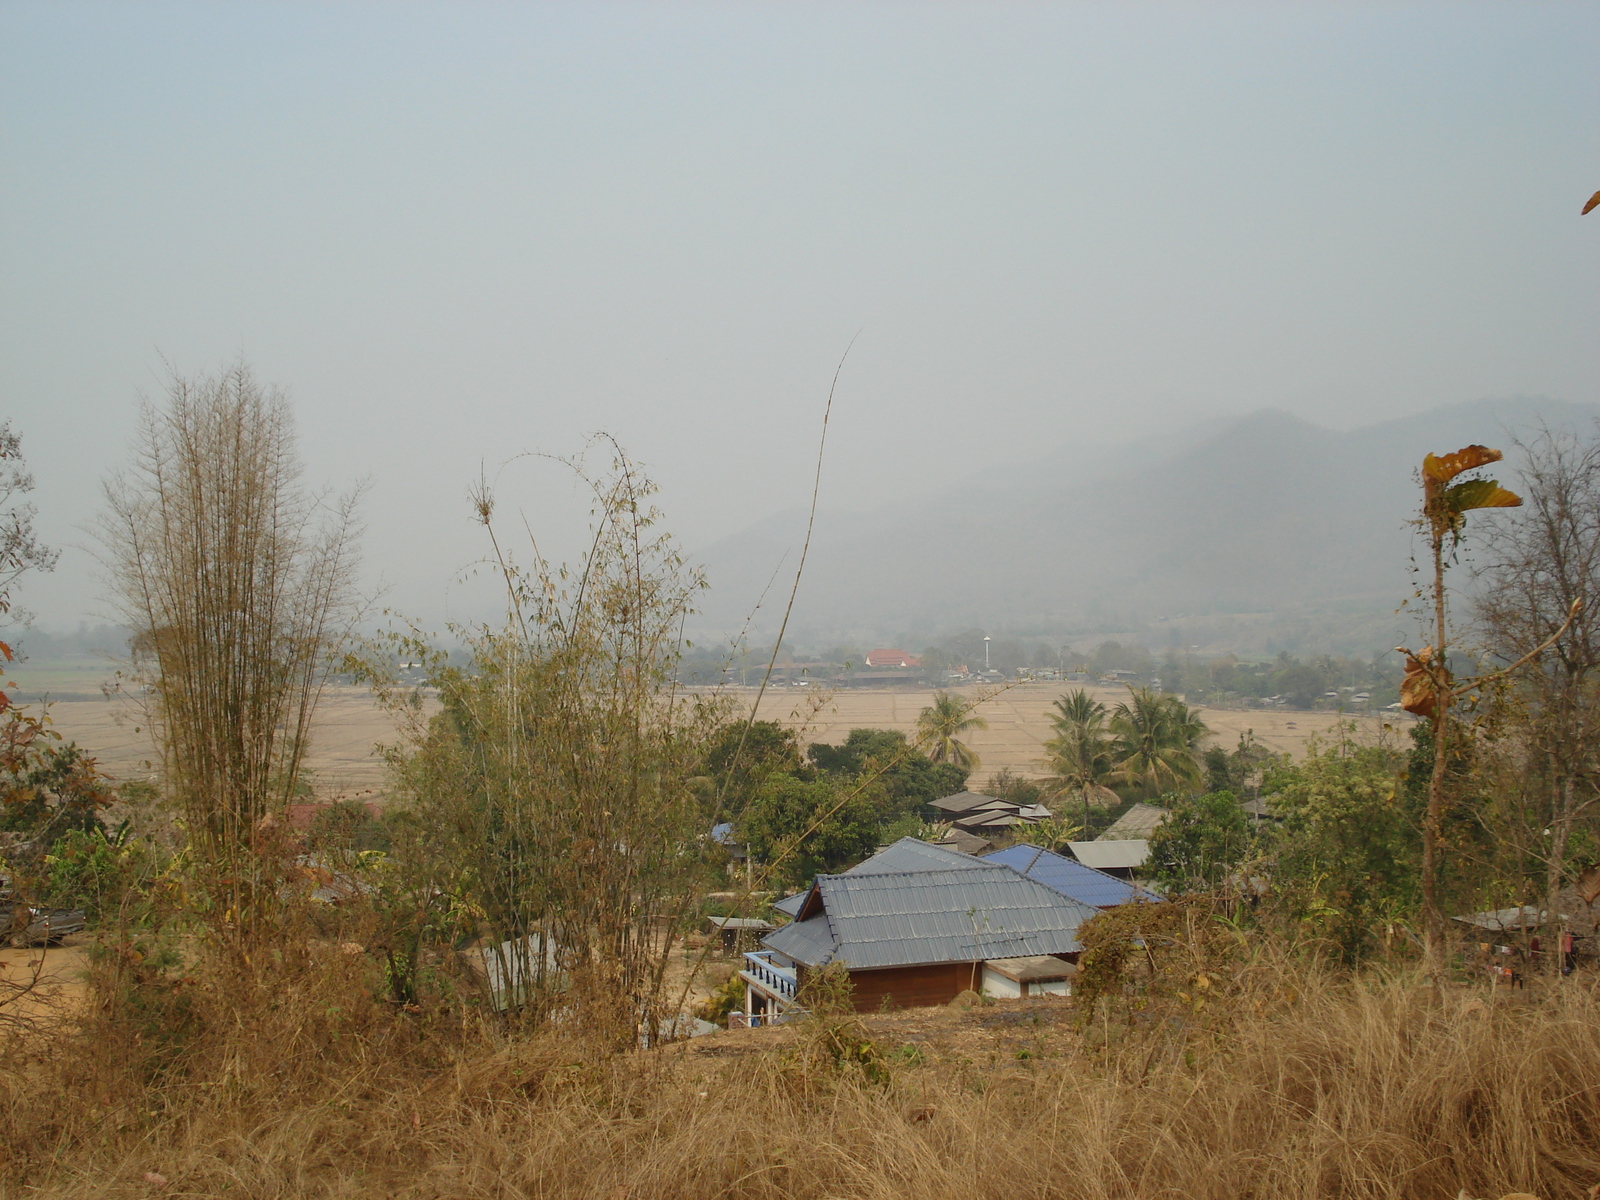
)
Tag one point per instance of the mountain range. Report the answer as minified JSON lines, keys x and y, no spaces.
{"x":1252,"y":534}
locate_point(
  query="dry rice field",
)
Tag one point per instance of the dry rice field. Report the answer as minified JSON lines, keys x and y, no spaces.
{"x":1019,"y":719}
{"x":344,"y":759}
{"x":350,"y":725}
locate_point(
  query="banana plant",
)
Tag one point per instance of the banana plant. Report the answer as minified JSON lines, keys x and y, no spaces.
{"x":1428,"y":688}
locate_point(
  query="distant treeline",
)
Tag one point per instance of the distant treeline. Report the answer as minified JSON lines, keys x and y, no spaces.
{"x":1324,"y":681}
{"x":87,"y":641}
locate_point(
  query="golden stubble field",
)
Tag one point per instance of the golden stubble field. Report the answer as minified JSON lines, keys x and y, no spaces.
{"x":350,"y":725}
{"x":1019,"y":719}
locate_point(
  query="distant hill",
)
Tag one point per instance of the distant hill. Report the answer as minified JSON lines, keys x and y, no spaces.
{"x":1265,"y":530}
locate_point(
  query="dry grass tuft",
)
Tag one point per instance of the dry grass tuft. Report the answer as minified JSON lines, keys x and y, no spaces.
{"x":1374,"y":1087}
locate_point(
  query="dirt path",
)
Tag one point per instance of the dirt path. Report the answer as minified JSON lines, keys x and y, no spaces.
{"x":41,"y":982}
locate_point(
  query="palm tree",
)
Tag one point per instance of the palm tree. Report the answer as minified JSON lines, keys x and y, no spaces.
{"x":1078,"y":757}
{"x":938,"y":725}
{"x":1154,"y":739}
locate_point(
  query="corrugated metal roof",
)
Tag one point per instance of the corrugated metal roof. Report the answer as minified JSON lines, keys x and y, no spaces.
{"x":1072,"y":879}
{"x":963,"y":802}
{"x":1509,"y":920}
{"x":909,"y":854}
{"x":810,"y":942}
{"x":990,"y":818}
{"x":959,"y":914}
{"x":1140,"y":821}
{"x":965,"y":843}
{"x":790,"y":905}
{"x":1111,"y":856}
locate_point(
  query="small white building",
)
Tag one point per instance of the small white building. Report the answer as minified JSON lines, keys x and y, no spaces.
{"x":1032,"y":975}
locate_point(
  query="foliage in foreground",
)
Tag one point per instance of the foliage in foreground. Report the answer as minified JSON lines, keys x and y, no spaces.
{"x":1273,"y":1078}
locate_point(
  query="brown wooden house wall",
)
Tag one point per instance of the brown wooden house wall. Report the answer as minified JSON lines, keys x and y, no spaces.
{"x":914,"y":987}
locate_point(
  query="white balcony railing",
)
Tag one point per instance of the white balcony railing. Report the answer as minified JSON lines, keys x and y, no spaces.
{"x":761,"y":970}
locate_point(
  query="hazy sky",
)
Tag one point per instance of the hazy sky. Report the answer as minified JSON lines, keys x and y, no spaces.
{"x":455,"y":232}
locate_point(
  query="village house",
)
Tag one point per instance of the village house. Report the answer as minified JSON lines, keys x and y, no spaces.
{"x":980,"y":815}
{"x":914,"y":925}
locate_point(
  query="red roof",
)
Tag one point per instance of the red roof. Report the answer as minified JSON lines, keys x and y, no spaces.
{"x":892,"y":658}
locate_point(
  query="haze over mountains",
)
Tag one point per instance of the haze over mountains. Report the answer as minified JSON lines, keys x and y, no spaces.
{"x":1255,"y":534}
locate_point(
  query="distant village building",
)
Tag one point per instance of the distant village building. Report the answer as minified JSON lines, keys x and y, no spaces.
{"x":892,"y":658}
{"x":980,"y":815}
{"x":737,"y":934}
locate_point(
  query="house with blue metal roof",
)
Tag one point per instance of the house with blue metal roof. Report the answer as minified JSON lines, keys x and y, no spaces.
{"x":1074,"y":879}
{"x":912,"y":930}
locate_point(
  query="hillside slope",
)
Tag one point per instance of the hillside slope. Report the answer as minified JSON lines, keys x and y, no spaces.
{"x":1267,"y":513}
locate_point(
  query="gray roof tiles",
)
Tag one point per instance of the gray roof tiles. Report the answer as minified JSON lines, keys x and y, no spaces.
{"x":810,"y":941}
{"x":790,"y":905}
{"x":909,"y":854}
{"x":954,"y":914}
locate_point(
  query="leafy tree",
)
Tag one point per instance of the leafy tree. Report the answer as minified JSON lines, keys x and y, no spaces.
{"x":1115,"y":656}
{"x":1139,"y":955}
{"x":1078,"y":758}
{"x":1348,"y":850}
{"x":1301,"y":684}
{"x":1005,"y":785}
{"x":1053,"y":834}
{"x":1241,"y":769}
{"x":909,"y":781}
{"x":1202,"y":841}
{"x":99,"y":870}
{"x":1537,"y":564}
{"x":811,"y":826}
{"x":552,"y":788}
{"x":768,"y":748}
{"x":939,"y":726}
{"x":347,"y":827}
{"x":1217,"y":773}
{"x":1154,"y":739}
{"x":48,"y":787}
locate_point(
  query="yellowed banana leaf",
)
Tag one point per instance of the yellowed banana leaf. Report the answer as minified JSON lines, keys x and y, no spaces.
{"x":1442,"y":468}
{"x":1417,"y":691}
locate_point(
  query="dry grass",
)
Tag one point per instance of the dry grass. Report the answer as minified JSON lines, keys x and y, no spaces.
{"x":290,"y":1083}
